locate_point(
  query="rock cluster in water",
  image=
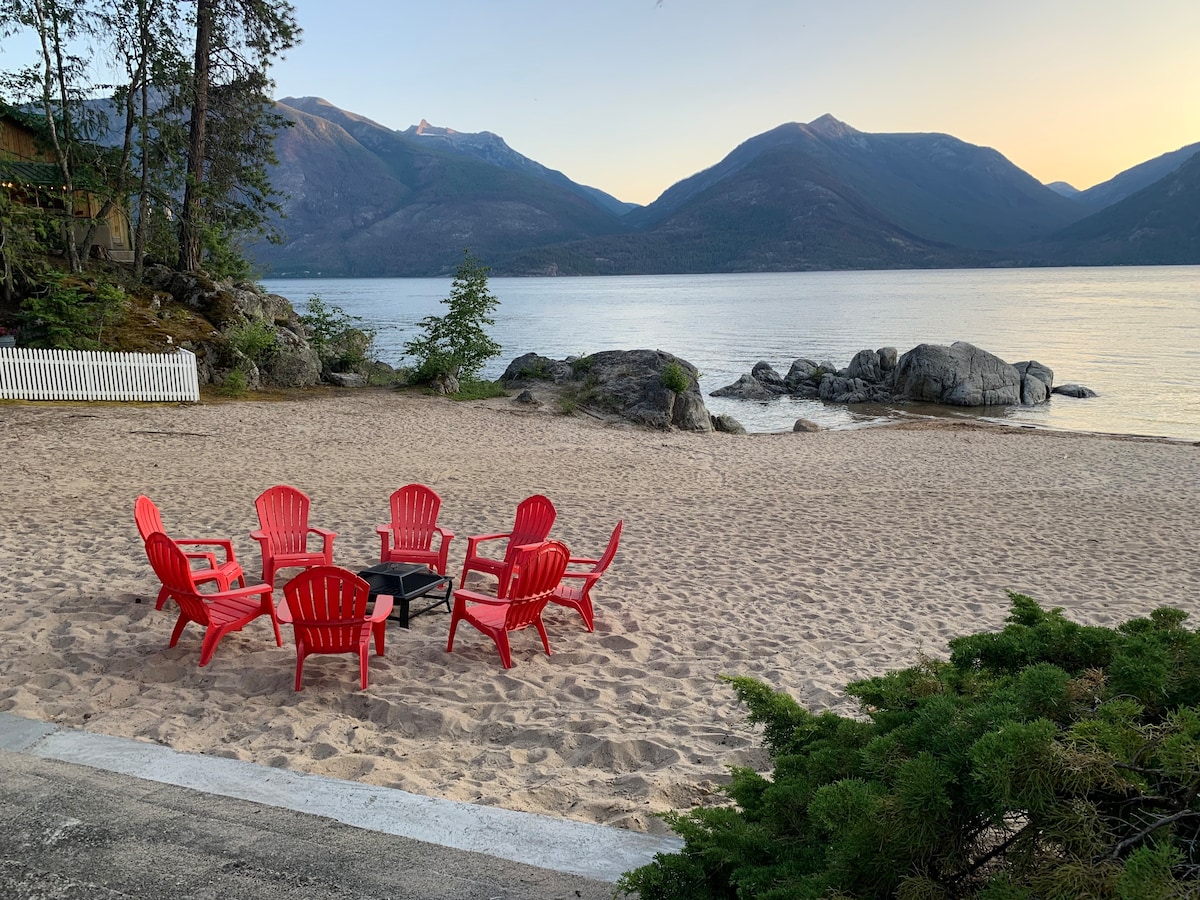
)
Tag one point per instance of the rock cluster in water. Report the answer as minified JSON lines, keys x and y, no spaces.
{"x":959,"y":375}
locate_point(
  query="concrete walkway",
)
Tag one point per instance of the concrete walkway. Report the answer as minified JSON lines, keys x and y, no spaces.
{"x":88,"y":815}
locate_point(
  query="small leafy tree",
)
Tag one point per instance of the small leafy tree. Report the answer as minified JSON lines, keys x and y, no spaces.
{"x":1046,"y":760}
{"x":456,"y":346}
{"x":342,"y":343}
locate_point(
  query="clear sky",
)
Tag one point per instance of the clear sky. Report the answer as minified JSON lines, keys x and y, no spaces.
{"x":631,"y":96}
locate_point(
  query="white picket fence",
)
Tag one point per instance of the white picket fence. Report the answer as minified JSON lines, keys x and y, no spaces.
{"x":27,"y":374}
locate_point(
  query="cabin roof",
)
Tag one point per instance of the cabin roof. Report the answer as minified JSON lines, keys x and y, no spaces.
{"x":31,"y":173}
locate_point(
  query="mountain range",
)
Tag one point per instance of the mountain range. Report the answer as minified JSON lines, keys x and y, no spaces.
{"x":367,"y":200}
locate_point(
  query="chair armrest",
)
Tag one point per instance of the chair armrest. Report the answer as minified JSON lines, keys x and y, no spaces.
{"x":283,"y":612}
{"x":248,"y":591}
{"x":210,"y":558}
{"x":260,"y":536}
{"x":582,"y":561}
{"x":383,"y":608}
{"x":476,"y":539}
{"x":224,"y":543}
{"x":470,"y":596}
{"x":584,"y":575}
{"x":446,"y":533}
{"x":383,"y":529}
{"x":324,"y":533}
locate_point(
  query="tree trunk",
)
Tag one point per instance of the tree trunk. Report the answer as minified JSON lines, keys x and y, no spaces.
{"x":193,"y":208}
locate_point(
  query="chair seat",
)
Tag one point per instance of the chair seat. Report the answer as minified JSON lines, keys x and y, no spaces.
{"x":230,"y":609}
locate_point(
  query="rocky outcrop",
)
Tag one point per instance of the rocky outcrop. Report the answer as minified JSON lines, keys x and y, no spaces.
{"x":958,"y":375}
{"x":646,"y":387}
{"x":287,"y":361}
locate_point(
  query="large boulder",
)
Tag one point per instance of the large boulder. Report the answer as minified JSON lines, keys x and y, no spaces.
{"x":958,"y":375}
{"x":648,"y":387}
{"x":1036,"y":382}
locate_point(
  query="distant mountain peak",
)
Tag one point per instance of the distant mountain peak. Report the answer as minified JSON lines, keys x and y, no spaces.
{"x":828,"y":126}
{"x":426,"y":128}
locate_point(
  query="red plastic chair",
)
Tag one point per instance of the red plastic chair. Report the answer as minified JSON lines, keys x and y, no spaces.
{"x":283,"y":532}
{"x":224,"y":573}
{"x":409,"y":536}
{"x":578,"y":597}
{"x":535,"y":517}
{"x":218,"y":613}
{"x":535,"y":572}
{"x":327,"y":607}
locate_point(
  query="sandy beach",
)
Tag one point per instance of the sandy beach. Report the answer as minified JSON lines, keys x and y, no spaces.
{"x":804,"y":560}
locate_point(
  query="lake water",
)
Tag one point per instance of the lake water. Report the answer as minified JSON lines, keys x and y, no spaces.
{"x":1130,"y":334}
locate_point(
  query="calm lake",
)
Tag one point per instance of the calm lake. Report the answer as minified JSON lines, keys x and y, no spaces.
{"x":1130,"y":334}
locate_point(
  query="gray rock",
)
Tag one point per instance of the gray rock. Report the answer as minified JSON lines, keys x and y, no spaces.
{"x":958,"y":375}
{"x":887,"y":358}
{"x":293,"y":364}
{"x":632,"y":384}
{"x":1074,"y":390}
{"x":866,"y":367}
{"x":346,"y":379}
{"x":801,"y":370}
{"x":1036,"y":382}
{"x":768,"y":377}
{"x":526,"y":398}
{"x":745,"y":388}
{"x":529,"y":369}
{"x":727,"y":424}
{"x":804,"y":425}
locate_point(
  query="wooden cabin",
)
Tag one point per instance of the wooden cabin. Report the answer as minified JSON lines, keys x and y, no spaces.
{"x":32,"y":177}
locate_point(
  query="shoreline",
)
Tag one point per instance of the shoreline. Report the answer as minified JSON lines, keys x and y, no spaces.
{"x":804,"y":560}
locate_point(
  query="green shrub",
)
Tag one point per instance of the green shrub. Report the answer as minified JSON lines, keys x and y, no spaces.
{"x":1048,"y":759}
{"x":475,"y":389}
{"x":235,"y":384}
{"x":457,"y":344}
{"x":257,"y":341}
{"x":342,"y":344}
{"x":676,"y":378}
{"x":581,"y":365}
{"x":69,"y":314}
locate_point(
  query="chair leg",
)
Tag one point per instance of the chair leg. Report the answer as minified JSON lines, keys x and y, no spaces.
{"x":542,"y":631}
{"x":212,"y":637}
{"x":362,"y":663}
{"x":162,"y":597}
{"x":299,"y":667}
{"x":585,"y":610}
{"x":501,"y":639}
{"x":269,"y":609}
{"x":453,"y":626}
{"x":179,"y":624}
{"x":378,"y":628}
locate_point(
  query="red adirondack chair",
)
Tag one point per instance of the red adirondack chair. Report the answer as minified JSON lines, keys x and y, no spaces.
{"x":578,"y":596}
{"x":535,"y":517}
{"x":224,"y":573}
{"x":219,"y":613}
{"x":409,"y":536}
{"x":537,"y":568}
{"x":283,"y":532}
{"x":327,"y":606}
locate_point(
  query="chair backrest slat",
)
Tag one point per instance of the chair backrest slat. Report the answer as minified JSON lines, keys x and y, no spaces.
{"x":328,"y":606}
{"x":173,"y":570}
{"x":534,"y":519}
{"x":147,"y":516}
{"x":536,"y":572}
{"x":283,"y":515}
{"x":415,"y":510}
